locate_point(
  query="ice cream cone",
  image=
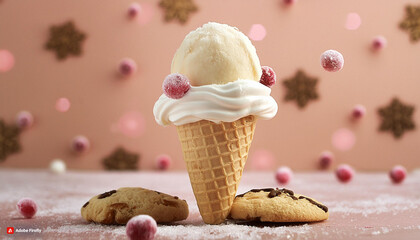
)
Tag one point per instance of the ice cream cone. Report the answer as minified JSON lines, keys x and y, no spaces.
{"x":215,"y":155}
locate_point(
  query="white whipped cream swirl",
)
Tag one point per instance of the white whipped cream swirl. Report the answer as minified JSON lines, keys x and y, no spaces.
{"x":217,"y":103}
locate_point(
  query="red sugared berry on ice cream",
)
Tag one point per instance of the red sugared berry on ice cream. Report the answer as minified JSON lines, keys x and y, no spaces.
{"x":332,"y":61}
{"x":127,"y":67}
{"x":284,"y":175}
{"x":176,"y":85}
{"x":326,"y":159}
{"x":27,"y":207}
{"x":133,"y":10}
{"x":344,"y":173}
{"x":398,"y":174}
{"x":358,"y":111}
{"x":80,"y":144}
{"x":268,"y":77}
{"x":163,"y":162}
{"x":141,"y":227}
{"x":378,"y":43}
{"x":24,"y":119}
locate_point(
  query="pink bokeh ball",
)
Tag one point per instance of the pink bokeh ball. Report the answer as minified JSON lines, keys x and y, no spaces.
{"x":262,"y":159}
{"x":257,"y":32}
{"x":353,"y":21}
{"x":131,"y":124}
{"x":62,"y":104}
{"x":7,"y":60}
{"x":343,"y":139}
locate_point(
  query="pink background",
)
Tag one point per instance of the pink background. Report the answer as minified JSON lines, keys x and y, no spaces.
{"x":101,"y":100}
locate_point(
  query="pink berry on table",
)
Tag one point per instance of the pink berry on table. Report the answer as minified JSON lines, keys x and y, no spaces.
{"x":344,"y":173}
{"x":326,"y":159}
{"x":127,"y":67}
{"x":284,"y":175}
{"x":176,"y":85}
{"x":80,"y":144}
{"x":141,"y":227}
{"x":24,"y":119}
{"x":27,"y":207}
{"x":134,"y":9}
{"x":358,"y":111}
{"x":379,"y":42}
{"x":398,"y":174}
{"x":332,"y":61}
{"x":163,"y":162}
{"x":268,"y":76}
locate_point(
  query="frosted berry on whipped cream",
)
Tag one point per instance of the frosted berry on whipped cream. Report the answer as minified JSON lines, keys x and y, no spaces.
{"x":224,"y":72}
{"x":214,"y":95}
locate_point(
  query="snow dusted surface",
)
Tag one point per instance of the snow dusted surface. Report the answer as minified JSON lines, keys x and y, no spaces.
{"x":369,"y":207}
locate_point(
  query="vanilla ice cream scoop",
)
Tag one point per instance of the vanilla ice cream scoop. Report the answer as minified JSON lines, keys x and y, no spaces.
{"x":216,"y":54}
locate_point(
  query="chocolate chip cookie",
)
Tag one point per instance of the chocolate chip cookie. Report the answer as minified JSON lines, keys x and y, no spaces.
{"x":277,"y":205}
{"x":119,"y":206}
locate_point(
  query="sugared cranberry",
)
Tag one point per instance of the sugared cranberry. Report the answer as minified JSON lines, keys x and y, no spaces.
{"x":326,"y":159}
{"x":344,"y":173}
{"x":268,"y":76}
{"x":27,"y":207}
{"x":284,"y":175}
{"x":176,"y":86}
{"x":141,"y":227}
{"x":398,"y":174}
{"x":332,"y":61}
{"x":163,"y":162}
{"x":127,"y":67}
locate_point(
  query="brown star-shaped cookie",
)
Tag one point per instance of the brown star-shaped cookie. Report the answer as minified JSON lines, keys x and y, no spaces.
{"x":301,"y":88}
{"x":178,"y":9}
{"x":397,"y":118}
{"x":411,"y":23}
{"x":120,"y":159}
{"x":65,"y":40}
{"x":9,"y":140}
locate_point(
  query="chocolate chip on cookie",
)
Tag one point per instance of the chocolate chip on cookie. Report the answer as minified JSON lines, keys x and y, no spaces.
{"x":107,"y":194}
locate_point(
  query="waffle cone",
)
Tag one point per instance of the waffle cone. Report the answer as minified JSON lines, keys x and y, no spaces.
{"x":215,"y":155}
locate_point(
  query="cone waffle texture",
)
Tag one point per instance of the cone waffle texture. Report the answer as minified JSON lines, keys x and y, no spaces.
{"x":215,"y":155}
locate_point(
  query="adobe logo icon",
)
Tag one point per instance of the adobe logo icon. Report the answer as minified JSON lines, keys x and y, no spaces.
{"x":10,"y":230}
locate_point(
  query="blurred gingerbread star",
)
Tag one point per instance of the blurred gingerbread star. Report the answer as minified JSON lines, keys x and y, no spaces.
{"x":397,"y":118}
{"x":9,"y":140}
{"x":301,"y":88}
{"x":65,"y":40}
{"x":120,"y":159}
{"x":411,"y":23}
{"x":178,"y":9}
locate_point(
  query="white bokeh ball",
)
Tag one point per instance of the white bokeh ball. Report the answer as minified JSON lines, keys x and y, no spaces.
{"x":58,"y":166}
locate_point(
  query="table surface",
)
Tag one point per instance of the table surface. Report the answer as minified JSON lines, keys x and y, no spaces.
{"x":369,"y":207}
